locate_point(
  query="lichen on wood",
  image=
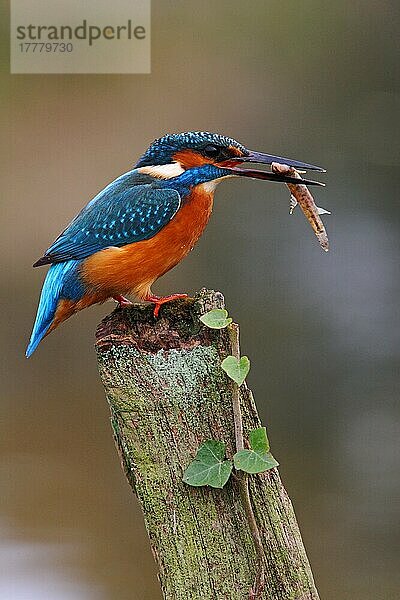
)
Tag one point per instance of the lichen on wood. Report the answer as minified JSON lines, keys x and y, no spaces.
{"x":167,"y":394}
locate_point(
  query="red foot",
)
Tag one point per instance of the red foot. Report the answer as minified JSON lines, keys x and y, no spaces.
{"x":122,"y":301}
{"x":163,"y":300}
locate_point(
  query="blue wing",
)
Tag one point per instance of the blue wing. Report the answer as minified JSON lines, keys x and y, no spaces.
{"x":126,"y":211}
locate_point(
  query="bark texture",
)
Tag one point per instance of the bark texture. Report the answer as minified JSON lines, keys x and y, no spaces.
{"x":168,"y":394}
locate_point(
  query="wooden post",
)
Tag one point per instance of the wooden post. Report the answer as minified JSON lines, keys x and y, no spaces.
{"x":168,"y":394}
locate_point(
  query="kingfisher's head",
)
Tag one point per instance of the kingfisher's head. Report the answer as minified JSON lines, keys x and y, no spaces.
{"x":204,"y":156}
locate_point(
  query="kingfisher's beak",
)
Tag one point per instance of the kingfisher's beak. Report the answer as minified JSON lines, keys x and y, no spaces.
{"x":268,"y":159}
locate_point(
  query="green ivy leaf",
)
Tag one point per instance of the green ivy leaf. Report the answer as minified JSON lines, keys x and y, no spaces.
{"x":258,"y":440}
{"x":209,"y":466}
{"x":236,"y":369}
{"x":217,"y":318}
{"x":254,"y":462}
{"x":258,"y":458}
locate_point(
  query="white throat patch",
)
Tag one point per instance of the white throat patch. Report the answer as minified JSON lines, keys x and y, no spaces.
{"x":209,"y":186}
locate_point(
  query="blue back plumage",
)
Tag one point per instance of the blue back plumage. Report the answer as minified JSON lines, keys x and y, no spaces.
{"x":126,"y":211}
{"x":62,"y":281}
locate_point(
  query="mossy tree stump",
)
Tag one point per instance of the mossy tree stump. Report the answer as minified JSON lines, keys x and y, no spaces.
{"x":168,"y":394}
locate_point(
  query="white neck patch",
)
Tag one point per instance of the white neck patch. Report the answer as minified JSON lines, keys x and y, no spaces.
{"x":163,"y":171}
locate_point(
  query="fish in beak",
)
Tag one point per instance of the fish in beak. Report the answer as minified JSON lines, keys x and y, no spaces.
{"x":268,"y":159}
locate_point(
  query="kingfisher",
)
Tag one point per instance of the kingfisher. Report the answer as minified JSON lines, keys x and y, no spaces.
{"x":143,"y":224}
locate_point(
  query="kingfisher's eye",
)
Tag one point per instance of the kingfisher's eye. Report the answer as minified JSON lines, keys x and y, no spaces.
{"x":211,"y":151}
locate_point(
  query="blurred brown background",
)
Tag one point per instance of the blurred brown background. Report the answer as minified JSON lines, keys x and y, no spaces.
{"x":316,"y":81}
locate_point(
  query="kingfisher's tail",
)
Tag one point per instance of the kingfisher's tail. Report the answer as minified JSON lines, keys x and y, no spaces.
{"x":60,"y":278}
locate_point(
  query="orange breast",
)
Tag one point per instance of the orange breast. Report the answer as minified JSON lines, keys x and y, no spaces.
{"x":133,"y":268}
